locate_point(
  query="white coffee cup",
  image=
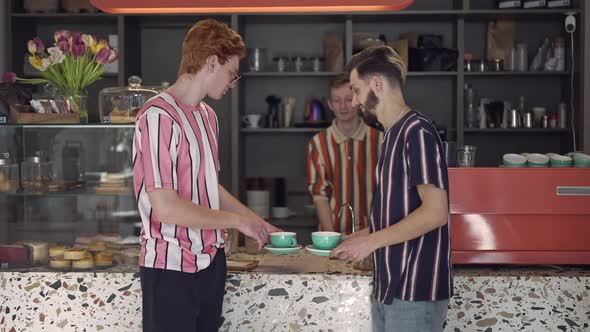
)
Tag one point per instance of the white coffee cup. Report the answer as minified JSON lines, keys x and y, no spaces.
{"x":259,"y":210}
{"x":281,"y":212}
{"x":258,"y":197}
{"x":251,"y":120}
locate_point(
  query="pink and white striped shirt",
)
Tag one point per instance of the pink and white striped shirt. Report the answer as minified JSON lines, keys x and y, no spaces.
{"x":175,"y":147}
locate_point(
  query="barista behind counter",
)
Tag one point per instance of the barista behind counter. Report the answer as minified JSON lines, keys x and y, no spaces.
{"x":340,"y":164}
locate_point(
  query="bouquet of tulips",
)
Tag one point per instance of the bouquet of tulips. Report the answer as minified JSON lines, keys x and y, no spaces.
{"x":74,"y":62}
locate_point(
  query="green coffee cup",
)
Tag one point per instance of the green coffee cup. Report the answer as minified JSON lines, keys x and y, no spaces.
{"x":283,"y":239}
{"x":325,"y":240}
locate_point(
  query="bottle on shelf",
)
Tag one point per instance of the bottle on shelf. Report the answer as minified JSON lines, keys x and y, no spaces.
{"x":470,"y":107}
{"x":562,"y":117}
{"x":521,"y":110}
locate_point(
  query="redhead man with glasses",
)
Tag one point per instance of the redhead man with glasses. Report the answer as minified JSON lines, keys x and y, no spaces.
{"x":185,"y":212}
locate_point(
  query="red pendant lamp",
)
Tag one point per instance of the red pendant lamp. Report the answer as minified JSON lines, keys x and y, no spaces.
{"x":246,"y":6}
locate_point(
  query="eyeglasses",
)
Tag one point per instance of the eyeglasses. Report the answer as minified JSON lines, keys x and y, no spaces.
{"x":236,"y":79}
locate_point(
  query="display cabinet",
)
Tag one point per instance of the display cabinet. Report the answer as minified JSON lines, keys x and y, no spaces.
{"x":70,"y":194}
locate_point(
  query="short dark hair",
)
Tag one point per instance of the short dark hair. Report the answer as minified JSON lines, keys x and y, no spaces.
{"x":379,"y":60}
{"x":339,"y":81}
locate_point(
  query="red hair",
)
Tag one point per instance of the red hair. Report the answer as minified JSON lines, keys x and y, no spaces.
{"x":206,"y":38}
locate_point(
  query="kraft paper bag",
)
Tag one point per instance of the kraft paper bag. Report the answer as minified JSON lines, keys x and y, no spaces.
{"x":500,"y":41}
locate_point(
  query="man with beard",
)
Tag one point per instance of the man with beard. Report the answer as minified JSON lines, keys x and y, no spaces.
{"x":340,"y":163}
{"x":409,"y":232}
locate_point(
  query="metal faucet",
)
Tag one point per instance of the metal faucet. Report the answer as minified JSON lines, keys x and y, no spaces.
{"x":351,"y":210}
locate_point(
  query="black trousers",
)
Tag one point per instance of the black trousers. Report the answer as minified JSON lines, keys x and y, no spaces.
{"x":179,"y":301}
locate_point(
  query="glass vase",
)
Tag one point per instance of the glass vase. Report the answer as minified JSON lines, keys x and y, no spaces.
{"x":77,"y":103}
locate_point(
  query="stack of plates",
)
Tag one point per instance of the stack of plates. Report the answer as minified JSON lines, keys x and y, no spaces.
{"x":576,"y":159}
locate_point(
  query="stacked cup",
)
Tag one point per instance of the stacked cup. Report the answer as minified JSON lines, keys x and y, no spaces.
{"x":259,"y":202}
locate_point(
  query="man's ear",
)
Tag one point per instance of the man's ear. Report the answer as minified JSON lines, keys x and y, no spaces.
{"x":211,"y":61}
{"x":330,"y":104}
{"x":376,"y":84}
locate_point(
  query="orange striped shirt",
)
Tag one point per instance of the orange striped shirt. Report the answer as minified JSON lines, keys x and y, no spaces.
{"x":341,"y":170}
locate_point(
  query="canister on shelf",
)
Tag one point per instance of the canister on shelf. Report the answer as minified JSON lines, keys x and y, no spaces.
{"x":545,"y":121}
{"x":522,"y":61}
{"x":562,"y":115}
{"x":498,"y":65}
{"x":256,"y":59}
{"x":8,"y":174}
{"x":553,"y":121}
{"x":36,"y":174}
{"x":528,"y":120}
{"x":298,"y":63}
{"x":514,"y":118}
{"x":482,"y":65}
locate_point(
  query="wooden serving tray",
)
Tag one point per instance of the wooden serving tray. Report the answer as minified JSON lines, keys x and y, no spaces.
{"x":241,"y":264}
{"x":364,"y":265}
{"x":30,"y":117}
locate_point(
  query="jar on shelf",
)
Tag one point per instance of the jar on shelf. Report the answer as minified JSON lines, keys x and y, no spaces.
{"x":36,"y":174}
{"x":121,"y":104}
{"x":282,"y":63}
{"x":8,"y":174}
{"x":299,"y":63}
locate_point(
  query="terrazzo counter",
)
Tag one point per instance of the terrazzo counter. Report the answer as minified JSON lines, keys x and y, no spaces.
{"x":337,"y":299}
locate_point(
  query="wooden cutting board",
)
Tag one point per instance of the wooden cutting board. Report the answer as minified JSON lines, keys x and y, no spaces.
{"x":303,"y":262}
{"x":241,"y":264}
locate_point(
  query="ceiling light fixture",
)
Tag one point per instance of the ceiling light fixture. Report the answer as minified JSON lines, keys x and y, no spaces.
{"x":246,"y":6}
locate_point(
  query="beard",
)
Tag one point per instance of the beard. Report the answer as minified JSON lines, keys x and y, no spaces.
{"x":372,"y":101}
{"x":369,"y":114}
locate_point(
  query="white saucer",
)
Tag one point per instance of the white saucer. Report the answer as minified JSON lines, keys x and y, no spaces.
{"x":320,"y":252}
{"x":282,"y":251}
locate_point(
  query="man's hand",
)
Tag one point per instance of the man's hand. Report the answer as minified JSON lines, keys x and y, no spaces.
{"x":354,"y":248}
{"x":271,"y":228}
{"x":256,"y":229}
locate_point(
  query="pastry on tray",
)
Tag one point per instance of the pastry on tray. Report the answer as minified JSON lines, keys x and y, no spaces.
{"x":97,"y":246}
{"x":85,"y":239}
{"x":59,"y":263}
{"x":75,"y":253}
{"x":83,"y":263}
{"x":103,"y":259}
{"x":57,"y":251}
{"x":108,"y":237}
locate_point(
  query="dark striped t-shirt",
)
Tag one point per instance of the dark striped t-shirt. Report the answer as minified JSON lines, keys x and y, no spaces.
{"x":419,"y":269}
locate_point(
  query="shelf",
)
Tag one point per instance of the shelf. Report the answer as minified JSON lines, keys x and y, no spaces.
{"x":105,"y":75}
{"x":290,"y":74}
{"x":431,"y":73}
{"x":60,"y":16}
{"x":280,"y":130}
{"x":332,"y":74}
{"x":433,"y":15}
{"x":79,"y":18}
{"x":68,"y":125}
{"x":487,"y":13}
{"x":515,"y":131}
{"x":72,"y":193}
{"x":517,"y":73}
